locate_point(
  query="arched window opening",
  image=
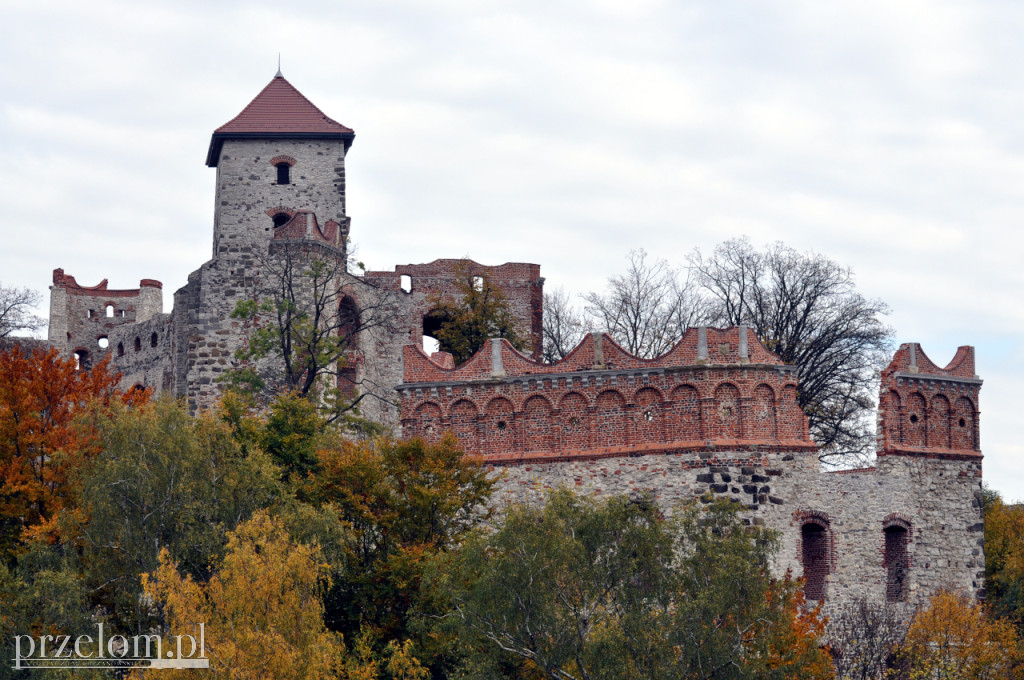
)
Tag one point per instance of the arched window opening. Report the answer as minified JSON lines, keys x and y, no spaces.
{"x":283,"y":173}
{"x":138,"y":344}
{"x":153,"y":340}
{"x":81,"y":360}
{"x":103,"y":342}
{"x":348,"y":317}
{"x":897,"y":563}
{"x":89,"y":313}
{"x":281,"y":219}
{"x":815,"y":558}
{"x":110,"y":311}
{"x":120,"y":349}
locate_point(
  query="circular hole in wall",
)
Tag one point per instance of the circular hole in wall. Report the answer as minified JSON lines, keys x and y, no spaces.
{"x":502,"y":424}
{"x":913,"y":418}
{"x":963,"y":423}
{"x":649,"y":415}
{"x":103,"y":342}
{"x":574,"y":422}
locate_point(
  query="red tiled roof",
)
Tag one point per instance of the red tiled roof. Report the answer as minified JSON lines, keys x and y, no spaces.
{"x":279,"y":109}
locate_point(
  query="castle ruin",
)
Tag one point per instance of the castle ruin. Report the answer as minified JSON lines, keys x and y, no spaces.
{"x":716,"y":416}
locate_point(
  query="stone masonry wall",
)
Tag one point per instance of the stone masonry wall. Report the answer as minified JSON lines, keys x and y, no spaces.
{"x":938,"y":499}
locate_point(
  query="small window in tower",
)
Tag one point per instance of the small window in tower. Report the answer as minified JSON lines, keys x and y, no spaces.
{"x":138,"y":344}
{"x":120,"y":349}
{"x":283,"y":172}
{"x":281,"y":219}
{"x":152,"y":340}
{"x":110,"y":311}
{"x":88,"y":313}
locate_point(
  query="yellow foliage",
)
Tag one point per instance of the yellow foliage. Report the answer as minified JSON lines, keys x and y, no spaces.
{"x":262,"y":612}
{"x":954,"y":639}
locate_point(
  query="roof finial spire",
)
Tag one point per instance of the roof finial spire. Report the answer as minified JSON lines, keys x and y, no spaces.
{"x":279,"y":75}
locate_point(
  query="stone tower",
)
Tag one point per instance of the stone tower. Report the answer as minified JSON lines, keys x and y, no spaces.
{"x":281,"y":154}
{"x":280,"y":178}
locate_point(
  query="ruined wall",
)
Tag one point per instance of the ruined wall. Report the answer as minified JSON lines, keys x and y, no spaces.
{"x":143,"y":353}
{"x":82,"y":318}
{"x":600,"y":401}
{"x":895,"y":532}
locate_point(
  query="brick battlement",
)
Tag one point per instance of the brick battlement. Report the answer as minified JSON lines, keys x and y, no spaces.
{"x":716,"y":389}
{"x":72,"y":287}
{"x":929,"y":411}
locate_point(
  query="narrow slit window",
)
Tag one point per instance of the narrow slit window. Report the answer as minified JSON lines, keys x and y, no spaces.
{"x":897,"y":563}
{"x":815,"y":559}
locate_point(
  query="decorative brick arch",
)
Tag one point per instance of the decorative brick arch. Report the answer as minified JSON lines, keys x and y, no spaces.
{"x":428,"y":419}
{"x":612,"y":424}
{"x":288,"y":160}
{"x":575,"y":415}
{"x":498,"y":426}
{"x":938,"y":422}
{"x":914,"y":424}
{"x":964,"y":425}
{"x":650,"y":416}
{"x":893,"y":405}
{"x":686,"y":420}
{"x":278,"y":210}
{"x":537,"y":430}
{"x":463,"y":416}
{"x":761,"y":419}
{"x":726,"y":420}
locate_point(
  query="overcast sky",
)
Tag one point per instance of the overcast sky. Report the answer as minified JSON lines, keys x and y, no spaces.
{"x":886,"y":135}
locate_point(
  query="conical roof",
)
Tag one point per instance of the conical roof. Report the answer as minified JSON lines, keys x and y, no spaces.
{"x":278,"y":111}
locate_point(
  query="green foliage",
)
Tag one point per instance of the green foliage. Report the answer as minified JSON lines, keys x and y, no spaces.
{"x":1004,"y":558}
{"x":404,"y":502}
{"x":478,"y":313}
{"x":588,"y":589}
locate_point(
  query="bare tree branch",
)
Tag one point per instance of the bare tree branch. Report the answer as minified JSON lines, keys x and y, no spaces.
{"x":806,"y":309}
{"x":16,"y":310}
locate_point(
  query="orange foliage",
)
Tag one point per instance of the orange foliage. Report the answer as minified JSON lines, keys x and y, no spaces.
{"x":41,"y":393}
{"x":793,"y":650}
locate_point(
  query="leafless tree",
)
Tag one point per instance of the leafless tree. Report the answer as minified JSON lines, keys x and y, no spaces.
{"x":305,"y":323}
{"x":564,"y":325}
{"x":16,"y":310}
{"x":648,"y":308}
{"x":864,"y":637}
{"x":806,"y":309}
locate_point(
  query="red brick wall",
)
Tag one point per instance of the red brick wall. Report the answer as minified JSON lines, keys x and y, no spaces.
{"x":601,"y":401}
{"x":927,"y":410}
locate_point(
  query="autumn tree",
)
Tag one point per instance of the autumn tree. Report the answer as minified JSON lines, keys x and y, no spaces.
{"x":954,"y":639}
{"x":17,"y":311}
{"x":806,"y":309}
{"x":1004,"y":558}
{"x":477,"y":312}
{"x":261,"y":608}
{"x":404,"y":501}
{"x":601,"y":589}
{"x":304,"y":324}
{"x":648,"y":308}
{"x":41,"y":393}
{"x":865,"y":637}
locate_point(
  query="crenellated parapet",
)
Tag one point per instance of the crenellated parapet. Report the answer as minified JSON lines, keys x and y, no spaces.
{"x":925,"y":410}
{"x":716,"y":389}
